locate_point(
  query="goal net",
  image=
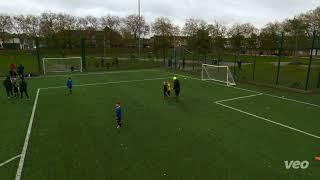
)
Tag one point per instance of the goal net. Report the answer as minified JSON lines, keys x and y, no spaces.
{"x":57,"y":65}
{"x":217,"y":73}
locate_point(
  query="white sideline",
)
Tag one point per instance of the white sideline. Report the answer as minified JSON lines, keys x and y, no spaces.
{"x":271,"y":95}
{"x":268,"y":120}
{"x":9,"y":160}
{"x":242,"y":97}
{"x":26,"y":141}
{"x":96,"y":73}
{"x":111,"y":82}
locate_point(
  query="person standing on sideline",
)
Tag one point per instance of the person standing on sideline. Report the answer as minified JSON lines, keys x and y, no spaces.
{"x":176,"y":87}
{"x":12,"y":70}
{"x":118,"y":115}
{"x":239,"y":64}
{"x":70,"y":85}
{"x":20,"y":70}
{"x":23,"y":88}
{"x":8,"y":86}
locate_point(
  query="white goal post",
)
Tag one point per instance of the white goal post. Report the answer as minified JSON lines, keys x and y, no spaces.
{"x":217,"y":73}
{"x":58,"y":65}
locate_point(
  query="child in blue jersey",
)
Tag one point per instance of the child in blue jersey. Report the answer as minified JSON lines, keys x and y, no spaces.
{"x":118,"y":115}
{"x":69,"y":85}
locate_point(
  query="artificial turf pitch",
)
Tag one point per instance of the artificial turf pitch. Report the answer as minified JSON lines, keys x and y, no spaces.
{"x":213,"y":132}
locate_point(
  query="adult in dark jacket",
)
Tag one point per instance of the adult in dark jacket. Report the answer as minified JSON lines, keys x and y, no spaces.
{"x":176,"y":86}
{"x":8,"y":86}
{"x":23,"y":88}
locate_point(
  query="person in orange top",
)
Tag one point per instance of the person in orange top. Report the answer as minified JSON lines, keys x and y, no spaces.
{"x":12,"y":70}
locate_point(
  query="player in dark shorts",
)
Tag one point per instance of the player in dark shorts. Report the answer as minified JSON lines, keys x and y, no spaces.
{"x":118,"y":115}
{"x":70,"y":85}
{"x":176,"y":87}
{"x":23,"y":88}
{"x":15,"y":88}
{"x":8,"y":86}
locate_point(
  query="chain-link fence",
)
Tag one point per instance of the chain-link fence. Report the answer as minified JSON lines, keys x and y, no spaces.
{"x":290,"y":61}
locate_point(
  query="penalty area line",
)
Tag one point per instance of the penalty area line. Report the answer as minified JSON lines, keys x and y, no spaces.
{"x":248,"y":90}
{"x":26,"y":141}
{"x":105,"y":83}
{"x":10,"y":160}
{"x":270,"y":121}
{"x":242,"y":97}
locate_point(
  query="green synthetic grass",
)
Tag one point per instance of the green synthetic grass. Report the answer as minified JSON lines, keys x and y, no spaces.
{"x":75,"y":137}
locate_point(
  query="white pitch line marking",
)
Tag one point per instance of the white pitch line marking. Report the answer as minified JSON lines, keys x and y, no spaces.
{"x":270,"y":121}
{"x":242,"y":97}
{"x":9,"y":160}
{"x":94,"y":73}
{"x":26,"y":141}
{"x":243,"y":89}
{"x":111,"y":82}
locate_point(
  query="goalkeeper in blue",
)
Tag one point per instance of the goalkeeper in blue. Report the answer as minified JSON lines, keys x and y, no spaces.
{"x":70,"y":85}
{"x":118,"y":115}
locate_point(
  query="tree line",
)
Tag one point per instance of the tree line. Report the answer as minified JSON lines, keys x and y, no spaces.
{"x":201,"y":36}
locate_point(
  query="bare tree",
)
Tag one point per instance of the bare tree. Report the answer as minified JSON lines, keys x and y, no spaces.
{"x":33,"y":25}
{"x":164,"y":31}
{"x":239,"y":35}
{"x":93,"y":23}
{"x":20,"y":27}
{"x":48,"y":28}
{"x":218,"y":32}
{"x":135,"y":26}
{"x":65,"y":23}
{"x":82,"y":23}
{"x":5,"y":26}
{"x":297,"y":31}
{"x":112,"y":22}
{"x":269,"y":37}
{"x":197,"y":31}
{"x":191,"y":26}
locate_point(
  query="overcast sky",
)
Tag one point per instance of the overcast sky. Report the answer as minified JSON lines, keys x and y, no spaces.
{"x":258,"y":12}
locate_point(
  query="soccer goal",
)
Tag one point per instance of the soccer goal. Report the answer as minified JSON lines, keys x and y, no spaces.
{"x":217,"y":73}
{"x":58,"y":65}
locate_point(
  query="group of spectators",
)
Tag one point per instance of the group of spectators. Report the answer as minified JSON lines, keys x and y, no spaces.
{"x":15,"y":83}
{"x":180,"y":63}
{"x":107,"y":64}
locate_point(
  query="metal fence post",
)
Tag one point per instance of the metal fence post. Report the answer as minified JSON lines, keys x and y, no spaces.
{"x":83,"y":53}
{"x":254,"y":65}
{"x":280,"y":54}
{"x":234,"y":65}
{"x":318,"y":85}
{"x":310,"y":61}
{"x":193,"y":57}
{"x":38,"y":54}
